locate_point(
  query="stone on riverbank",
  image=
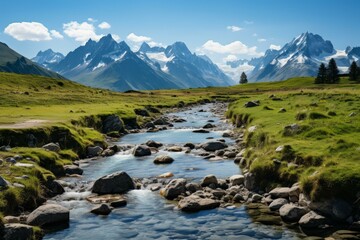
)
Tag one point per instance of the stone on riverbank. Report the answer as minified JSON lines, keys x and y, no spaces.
{"x":94,"y":151}
{"x":118,"y":182}
{"x":280,"y":192}
{"x":312,"y":220}
{"x":152,"y":143}
{"x":237,"y":179}
{"x":278,"y":203}
{"x":48,"y":214}
{"x":209,"y":180}
{"x":73,"y":169}
{"x":53,"y":147}
{"x":291,"y":212}
{"x":195,"y":203}
{"x":18,"y":231}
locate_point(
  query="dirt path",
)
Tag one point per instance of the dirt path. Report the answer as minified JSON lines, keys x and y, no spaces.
{"x":26,"y":124}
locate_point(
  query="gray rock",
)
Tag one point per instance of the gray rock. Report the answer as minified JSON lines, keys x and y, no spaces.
{"x":341,"y":210}
{"x":174,"y":149}
{"x":102,"y":209}
{"x":212,"y":146}
{"x":141,"y":112}
{"x":112,"y":123}
{"x":149,"y":125}
{"x":48,"y":214}
{"x":152,"y":143}
{"x":200,"y":131}
{"x":3,"y":182}
{"x":230,"y":154}
{"x":312,"y":220}
{"x":192,"y":187}
{"x":53,"y":147}
{"x":73,"y":169}
{"x":163,"y":159}
{"x":237,"y":179}
{"x":195,"y":203}
{"x":249,"y":181}
{"x":161,"y":121}
{"x":256,"y":198}
{"x":10,"y":160}
{"x":251,"y":104}
{"x":94,"y":151}
{"x":56,"y":188}
{"x":189,"y":145}
{"x":18,"y":157}
{"x":141,"y":150}
{"x":209,"y":179}
{"x":238,"y":198}
{"x":292,"y":213}
{"x":18,"y":231}
{"x":277,"y":204}
{"x":226,"y":134}
{"x":280,"y":192}
{"x":118,"y":182}
{"x":174,"y":188}
{"x":208,"y":125}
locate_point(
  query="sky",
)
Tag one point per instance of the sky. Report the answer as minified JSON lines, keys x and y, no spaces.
{"x":221,"y":29}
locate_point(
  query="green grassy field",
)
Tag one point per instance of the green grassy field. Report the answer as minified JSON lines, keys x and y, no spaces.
{"x":323,"y":153}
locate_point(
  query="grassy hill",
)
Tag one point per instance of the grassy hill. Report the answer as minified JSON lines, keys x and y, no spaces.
{"x":322,"y":152}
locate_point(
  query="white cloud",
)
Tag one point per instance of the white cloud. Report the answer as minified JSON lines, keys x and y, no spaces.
{"x":104,"y":25}
{"x":275,"y":47}
{"x":81,"y":32}
{"x":31,"y":31}
{"x":91,"y":20}
{"x":230,"y":58}
{"x":155,"y":44}
{"x":235,"y":73}
{"x":137,"y":39}
{"x":233,"y":48}
{"x":261,"y":40}
{"x":56,"y":34}
{"x":234,"y":28}
{"x":255,"y":35}
{"x":116,"y":37}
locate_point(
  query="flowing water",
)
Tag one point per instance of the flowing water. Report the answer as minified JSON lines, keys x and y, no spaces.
{"x":147,"y":214}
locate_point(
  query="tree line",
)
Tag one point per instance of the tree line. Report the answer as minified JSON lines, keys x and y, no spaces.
{"x":330,"y":74}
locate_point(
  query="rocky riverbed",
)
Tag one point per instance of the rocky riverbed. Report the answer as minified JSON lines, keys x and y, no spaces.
{"x":178,"y":177}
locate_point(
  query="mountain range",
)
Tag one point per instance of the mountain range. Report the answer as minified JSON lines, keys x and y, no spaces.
{"x":11,"y":61}
{"x":300,"y":57}
{"x":113,"y":65}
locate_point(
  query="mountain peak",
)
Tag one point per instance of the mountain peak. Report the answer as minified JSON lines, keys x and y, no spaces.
{"x":144,"y":47}
{"x":178,"y":49}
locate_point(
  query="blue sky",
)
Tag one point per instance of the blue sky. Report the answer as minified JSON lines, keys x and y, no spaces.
{"x":222,"y":29}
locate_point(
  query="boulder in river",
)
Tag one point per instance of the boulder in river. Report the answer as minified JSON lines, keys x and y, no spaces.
{"x":48,"y":214}
{"x":189,"y":145}
{"x":200,"y":131}
{"x":163,"y":159}
{"x":208,"y":180}
{"x":174,"y":149}
{"x":194,"y":203}
{"x":212,"y":146}
{"x":102,"y":209}
{"x":277,"y":204}
{"x":209,"y":125}
{"x":174,"y":188}
{"x":152,"y":143}
{"x":118,"y":182}
{"x":141,"y":150}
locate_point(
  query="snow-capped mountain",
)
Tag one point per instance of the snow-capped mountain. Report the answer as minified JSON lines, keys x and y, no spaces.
{"x":300,"y":57}
{"x":47,"y":57}
{"x":13,"y":62}
{"x":113,"y":65}
{"x":184,"y":67}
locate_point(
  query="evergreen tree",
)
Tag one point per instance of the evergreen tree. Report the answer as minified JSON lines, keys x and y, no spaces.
{"x":353,"y":72}
{"x":332,"y":72}
{"x":243,"y":78}
{"x":322,"y":74}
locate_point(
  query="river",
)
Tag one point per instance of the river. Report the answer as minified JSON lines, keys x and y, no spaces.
{"x":147,"y":214}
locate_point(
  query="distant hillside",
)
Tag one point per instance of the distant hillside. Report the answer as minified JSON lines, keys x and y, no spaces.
{"x":13,"y":62}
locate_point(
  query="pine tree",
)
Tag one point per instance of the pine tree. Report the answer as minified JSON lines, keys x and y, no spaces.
{"x":332,"y":72}
{"x":353,"y":71}
{"x":322,"y":75}
{"x":243,"y":78}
